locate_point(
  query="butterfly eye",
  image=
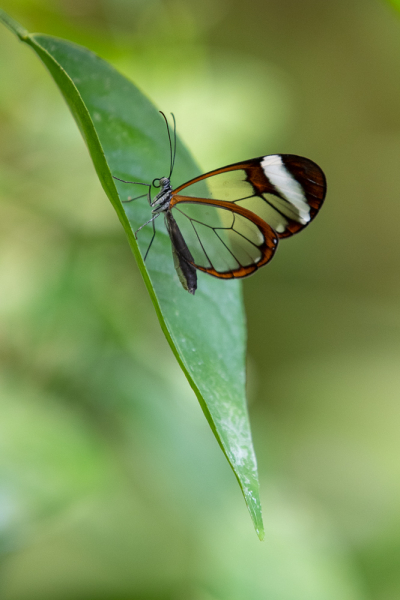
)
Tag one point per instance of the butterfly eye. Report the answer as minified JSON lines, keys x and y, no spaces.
{"x":156,"y":185}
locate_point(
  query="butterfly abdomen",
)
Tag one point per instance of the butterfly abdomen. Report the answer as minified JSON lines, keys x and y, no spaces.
{"x":181,"y":255}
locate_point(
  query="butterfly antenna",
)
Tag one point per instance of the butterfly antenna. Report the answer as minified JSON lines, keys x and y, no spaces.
{"x":170,"y":144}
{"x":173,"y":161}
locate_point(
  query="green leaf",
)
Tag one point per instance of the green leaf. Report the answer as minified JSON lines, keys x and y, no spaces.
{"x":126,"y":137}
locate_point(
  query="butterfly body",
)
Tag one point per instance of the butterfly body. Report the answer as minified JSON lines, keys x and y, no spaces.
{"x":183,"y":260}
{"x":163,"y":199}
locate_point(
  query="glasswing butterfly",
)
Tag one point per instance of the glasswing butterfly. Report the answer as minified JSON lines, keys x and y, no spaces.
{"x":228,"y":222}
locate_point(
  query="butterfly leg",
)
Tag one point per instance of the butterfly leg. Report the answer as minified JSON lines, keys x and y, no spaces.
{"x":151,"y":241}
{"x":148,"y":185}
{"x":129,"y":199}
{"x":147,"y":222}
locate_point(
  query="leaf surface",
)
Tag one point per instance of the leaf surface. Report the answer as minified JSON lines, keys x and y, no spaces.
{"x":126,"y":137}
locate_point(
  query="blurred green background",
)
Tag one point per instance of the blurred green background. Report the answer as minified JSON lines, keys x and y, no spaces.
{"x":112,"y":487}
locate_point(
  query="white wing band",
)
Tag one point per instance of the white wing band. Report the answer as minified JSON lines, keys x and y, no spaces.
{"x":286,"y":185}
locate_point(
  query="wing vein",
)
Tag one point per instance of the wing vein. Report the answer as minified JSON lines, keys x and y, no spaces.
{"x":200,"y":242}
{"x":229,"y":250}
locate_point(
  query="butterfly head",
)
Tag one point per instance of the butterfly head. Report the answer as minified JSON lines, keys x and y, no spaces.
{"x":162,"y":182}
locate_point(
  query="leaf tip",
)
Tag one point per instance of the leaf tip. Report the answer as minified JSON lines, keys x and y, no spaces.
{"x":254,"y":507}
{"x":260,"y":533}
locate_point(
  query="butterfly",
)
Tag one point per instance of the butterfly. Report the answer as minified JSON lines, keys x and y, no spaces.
{"x":228,"y":222}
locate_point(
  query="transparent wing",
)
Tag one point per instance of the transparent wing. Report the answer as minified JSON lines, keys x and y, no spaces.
{"x":224,"y":240}
{"x":284,"y":190}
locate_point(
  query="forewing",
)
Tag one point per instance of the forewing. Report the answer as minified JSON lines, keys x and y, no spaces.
{"x":284,"y":190}
{"x":224,"y":240}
